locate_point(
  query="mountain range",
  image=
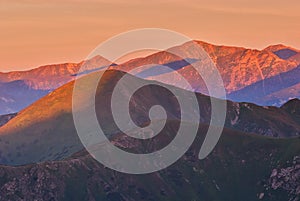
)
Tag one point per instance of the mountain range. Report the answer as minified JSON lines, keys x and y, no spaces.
{"x":257,"y":157}
{"x":47,"y":125}
{"x":271,"y":74}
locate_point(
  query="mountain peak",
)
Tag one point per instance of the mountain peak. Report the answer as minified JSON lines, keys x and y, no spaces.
{"x":295,"y":102}
{"x":283,"y":51}
{"x":274,"y":48}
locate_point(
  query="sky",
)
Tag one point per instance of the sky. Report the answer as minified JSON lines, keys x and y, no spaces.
{"x":39,"y":32}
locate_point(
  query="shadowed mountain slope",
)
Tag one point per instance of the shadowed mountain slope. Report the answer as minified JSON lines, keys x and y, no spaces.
{"x":271,"y":91}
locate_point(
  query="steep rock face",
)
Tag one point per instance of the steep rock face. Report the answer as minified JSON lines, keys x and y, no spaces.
{"x":277,"y":89}
{"x":271,"y":75}
{"x":239,"y":67}
{"x":266,"y":77}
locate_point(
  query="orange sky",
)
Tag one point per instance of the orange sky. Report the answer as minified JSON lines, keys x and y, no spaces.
{"x":36,"y":32}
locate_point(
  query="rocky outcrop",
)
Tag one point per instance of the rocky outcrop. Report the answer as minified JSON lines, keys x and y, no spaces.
{"x":287,"y":179}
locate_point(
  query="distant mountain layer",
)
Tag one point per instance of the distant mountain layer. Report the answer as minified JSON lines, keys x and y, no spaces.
{"x":19,"y":89}
{"x":50,"y":77}
{"x":240,"y":68}
{"x":16,"y":95}
{"x":47,"y":125}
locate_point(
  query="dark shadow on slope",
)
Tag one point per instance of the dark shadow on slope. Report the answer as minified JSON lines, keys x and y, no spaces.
{"x":285,"y":53}
{"x":173,"y":66}
{"x":255,"y":92}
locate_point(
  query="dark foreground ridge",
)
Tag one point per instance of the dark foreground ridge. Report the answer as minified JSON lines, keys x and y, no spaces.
{"x":242,"y":167}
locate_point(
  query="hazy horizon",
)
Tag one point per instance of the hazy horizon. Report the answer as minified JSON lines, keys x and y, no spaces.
{"x":36,"y":33}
